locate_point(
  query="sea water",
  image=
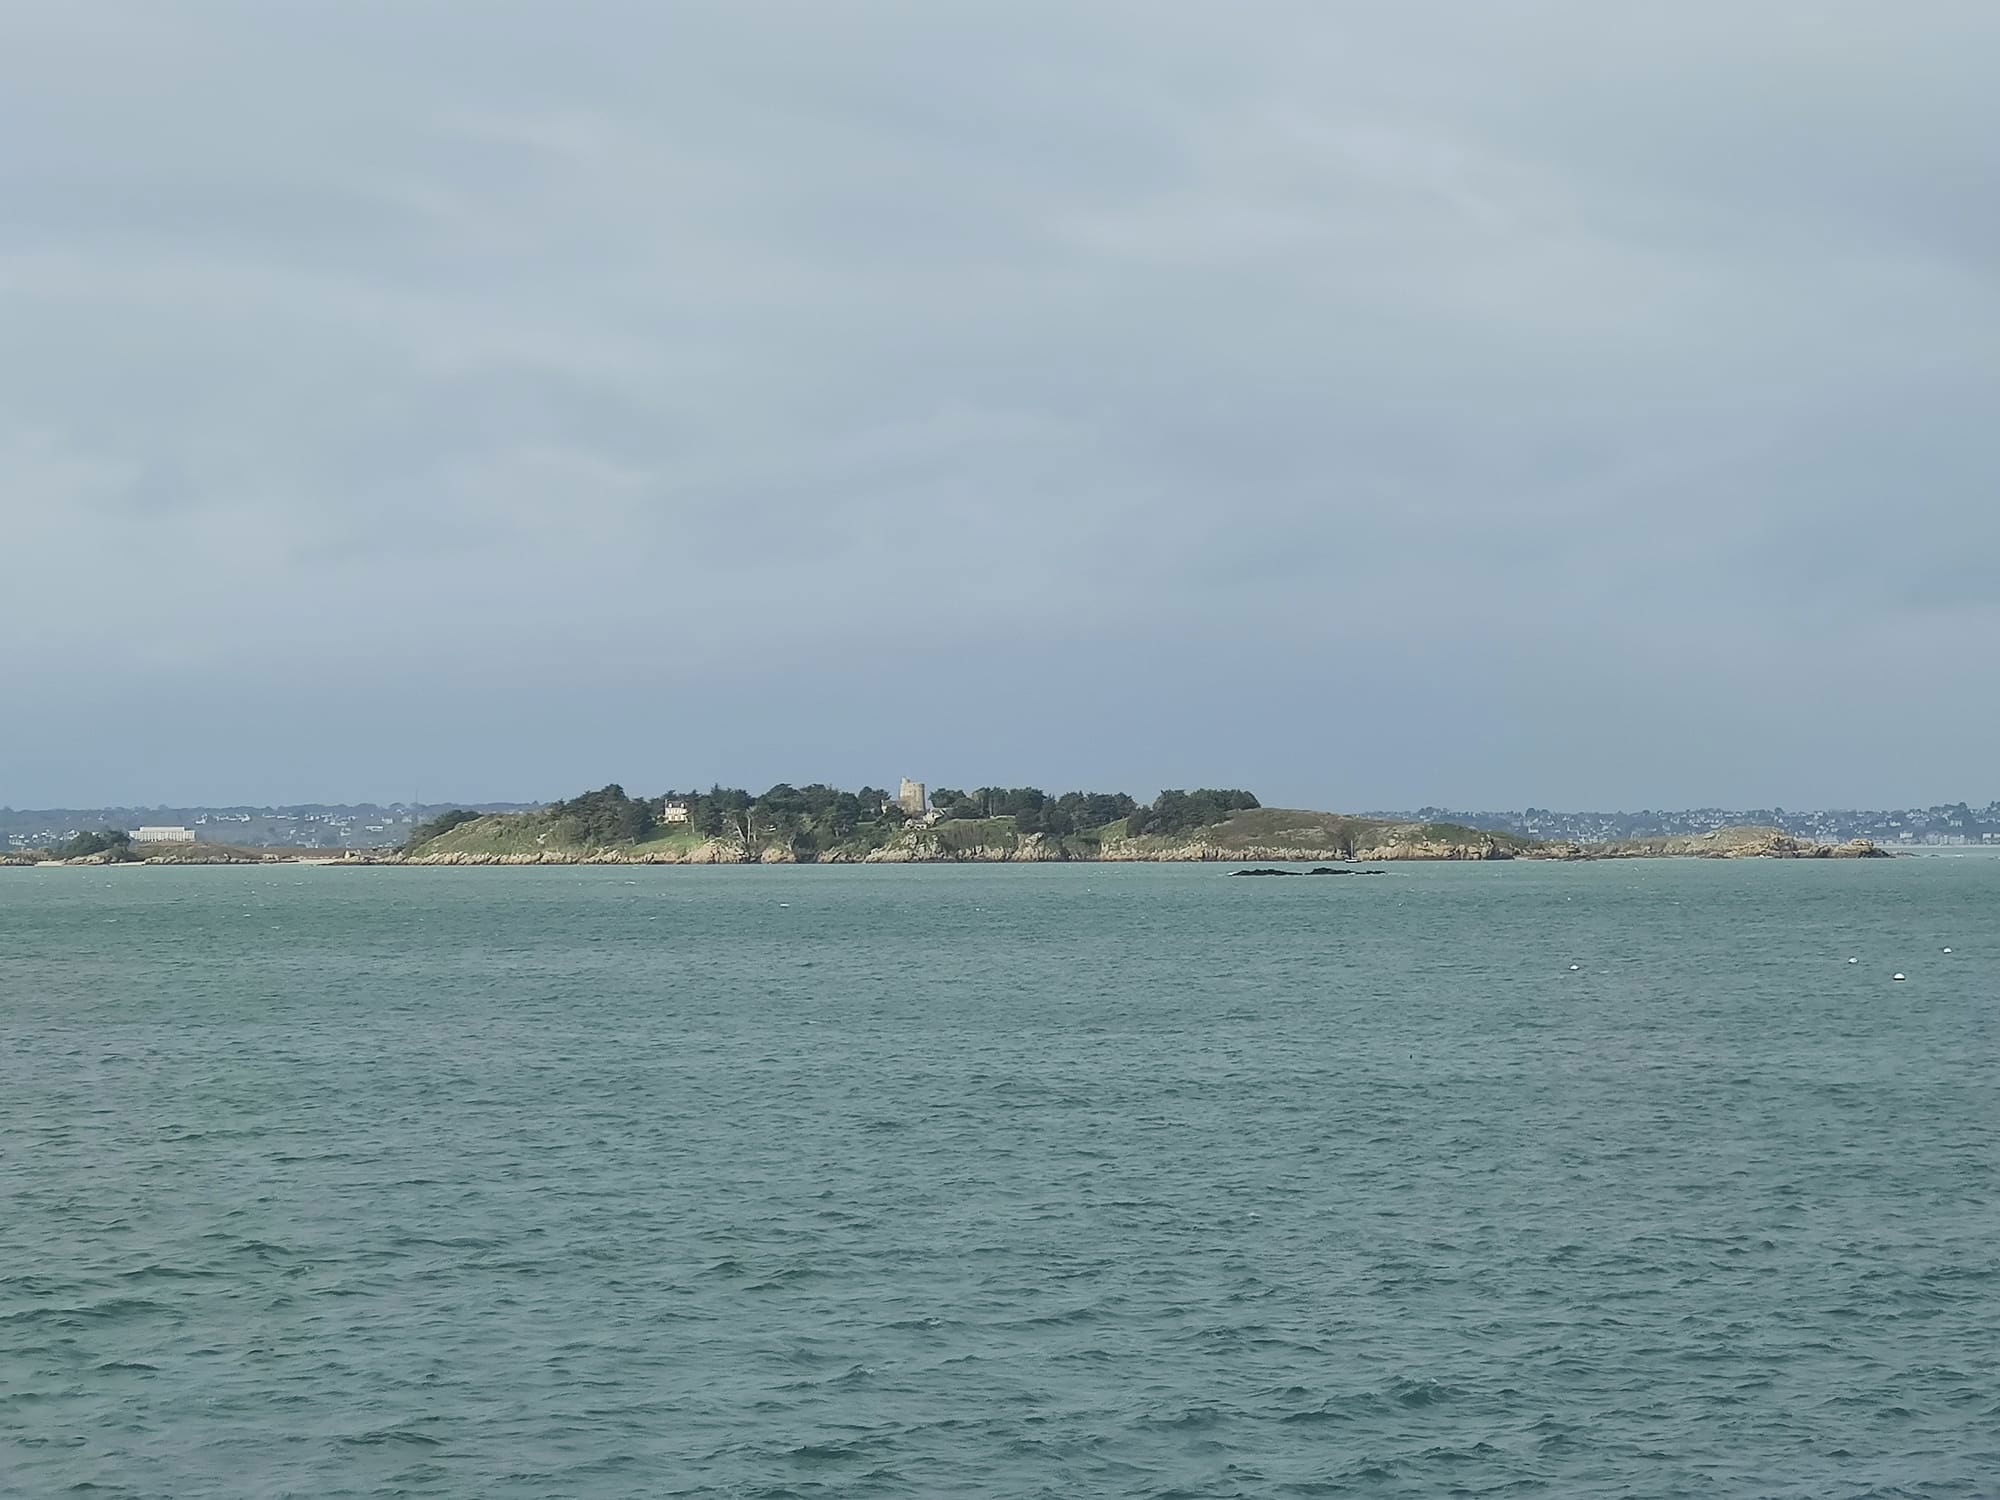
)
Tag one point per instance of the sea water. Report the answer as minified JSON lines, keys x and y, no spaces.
{"x":1040,"y":1181}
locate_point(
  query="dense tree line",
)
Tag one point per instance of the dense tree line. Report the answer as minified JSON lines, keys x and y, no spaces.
{"x":820,"y":817}
{"x":1182,"y":812}
{"x":1034,"y":811}
{"x":114,"y":843}
{"x":806,"y":817}
{"x":608,"y":816}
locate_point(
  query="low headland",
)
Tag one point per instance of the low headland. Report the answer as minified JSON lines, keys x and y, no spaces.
{"x":822,"y":825}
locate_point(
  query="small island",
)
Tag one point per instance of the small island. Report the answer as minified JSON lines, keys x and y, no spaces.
{"x":820,"y":824}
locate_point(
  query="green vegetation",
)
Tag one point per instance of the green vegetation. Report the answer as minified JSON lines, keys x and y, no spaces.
{"x":809,"y":822}
{"x":1034,"y":811}
{"x":820,"y":822}
{"x":605,"y":817}
{"x":820,"y":819}
{"x":498,"y":835}
{"x":115,"y":844}
{"x":962,"y":835}
{"x":1258,"y":832}
{"x":443,"y":823}
{"x":1179,"y":812}
{"x":806,"y":819}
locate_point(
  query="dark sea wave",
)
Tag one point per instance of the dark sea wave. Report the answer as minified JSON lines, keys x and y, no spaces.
{"x":1037,"y":1181}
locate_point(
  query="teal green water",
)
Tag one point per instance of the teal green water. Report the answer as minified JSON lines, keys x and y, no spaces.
{"x":1124,"y":1181}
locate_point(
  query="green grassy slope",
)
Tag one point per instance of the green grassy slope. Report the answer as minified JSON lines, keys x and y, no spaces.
{"x":504,"y":833}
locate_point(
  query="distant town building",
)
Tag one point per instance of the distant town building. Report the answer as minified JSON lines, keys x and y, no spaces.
{"x":910,"y":797}
{"x":163,"y":836}
{"x":674,"y":810}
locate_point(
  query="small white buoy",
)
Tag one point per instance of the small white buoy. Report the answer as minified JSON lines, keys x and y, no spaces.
{"x":1574,"y":967}
{"x":1854,"y":960}
{"x":1947,"y":950}
{"x":1896,"y":976}
{"x":784,"y":903}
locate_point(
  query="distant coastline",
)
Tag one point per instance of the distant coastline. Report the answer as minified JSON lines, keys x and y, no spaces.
{"x":819,"y":824}
{"x":311,"y":830}
{"x":1259,"y":836}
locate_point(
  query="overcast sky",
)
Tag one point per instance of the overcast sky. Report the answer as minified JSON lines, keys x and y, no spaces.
{"x":1486,"y":403}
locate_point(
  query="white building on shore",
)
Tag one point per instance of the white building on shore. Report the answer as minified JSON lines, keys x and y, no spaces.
{"x":163,"y":835}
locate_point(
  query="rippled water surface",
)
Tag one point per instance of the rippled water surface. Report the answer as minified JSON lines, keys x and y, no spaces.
{"x":995,"y":1181}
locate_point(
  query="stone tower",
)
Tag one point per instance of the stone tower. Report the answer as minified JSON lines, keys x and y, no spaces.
{"x":910,"y":797}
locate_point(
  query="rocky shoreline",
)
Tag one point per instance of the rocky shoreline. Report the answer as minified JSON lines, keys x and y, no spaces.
{"x":1032,"y":849}
{"x":1764,"y":844}
{"x":1036,"y":849}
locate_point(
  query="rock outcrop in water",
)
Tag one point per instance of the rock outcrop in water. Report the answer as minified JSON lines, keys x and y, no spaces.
{"x":1315,"y":870}
{"x":1723,"y":843}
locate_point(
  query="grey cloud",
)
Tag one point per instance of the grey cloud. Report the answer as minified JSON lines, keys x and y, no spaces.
{"x":784,"y":389}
